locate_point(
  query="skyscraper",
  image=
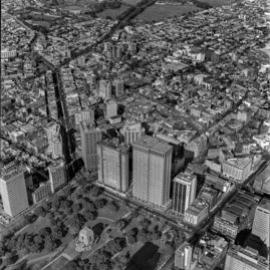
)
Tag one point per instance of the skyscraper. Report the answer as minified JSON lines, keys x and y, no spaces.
{"x":57,"y":175}
{"x":105,"y":89}
{"x":13,"y":189}
{"x":152,"y":171}
{"x":89,"y":139}
{"x":111,"y":109}
{"x":132,"y":132}
{"x":184,"y":191}
{"x":183,"y":256}
{"x":113,"y":165}
{"x":85,"y":116}
{"x":261,"y":223}
{"x":55,"y":148}
{"x":239,"y":258}
{"x":119,"y":87}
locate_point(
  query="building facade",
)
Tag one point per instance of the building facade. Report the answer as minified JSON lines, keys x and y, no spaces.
{"x":42,"y":192}
{"x":13,"y":190}
{"x":261,"y":224}
{"x":57,"y":176}
{"x":113,"y":166}
{"x":184,"y":191}
{"x":239,"y":258}
{"x":132,"y":132}
{"x":237,"y":169}
{"x":152,"y":162}
{"x":89,"y":139}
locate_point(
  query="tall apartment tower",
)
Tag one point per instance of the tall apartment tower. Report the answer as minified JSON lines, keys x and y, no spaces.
{"x":119,"y":87}
{"x":105,"y":89}
{"x":89,"y":139}
{"x":85,"y":116}
{"x":57,"y":175}
{"x":239,"y":258}
{"x":13,"y":189}
{"x":183,"y":256}
{"x":152,"y":162}
{"x":113,"y":165}
{"x":261,"y":223}
{"x":55,"y":148}
{"x":132,"y":132}
{"x":184,"y":191}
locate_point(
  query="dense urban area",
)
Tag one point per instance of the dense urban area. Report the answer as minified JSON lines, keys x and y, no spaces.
{"x":135,"y":135}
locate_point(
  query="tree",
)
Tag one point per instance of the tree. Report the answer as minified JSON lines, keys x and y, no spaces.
{"x":39,"y":242}
{"x":145,"y":223}
{"x":113,"y":206}
{"x":40,"y":211}
{"x":131,"y":239}
{"x":89,"y":215}
{"x":76,"y":207}
{"x":11,"y":258}
{"x":100,"y":203}
{"x":45,"y":231}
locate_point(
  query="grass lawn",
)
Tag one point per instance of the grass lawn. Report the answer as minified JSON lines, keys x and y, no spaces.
{"x":161,"y":12}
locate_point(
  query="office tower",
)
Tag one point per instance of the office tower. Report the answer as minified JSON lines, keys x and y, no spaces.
{"x":152,"y":171}
{"x":261,"y":223}
{"x":183,"y":256}
{"x":118,"y":51}
{"x":57,"y":175}
{"x":184,"y":191}
{"x":111,"y":109}
{"x":119,"y":87}
{"x":105,"y":89}
{"x":43,"y":191}
{"x":89,"y":139}
{"x":86,"y":117}
{"x":55,"y":148}
{"x":13,"y":189}
{"x":132,"y":47}
{"x":108,"y":47}
{"x":113,"y":165}
{"x":239,"y":258}
{"x":132,"y":132}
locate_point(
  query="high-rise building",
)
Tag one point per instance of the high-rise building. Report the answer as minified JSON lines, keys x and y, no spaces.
{"x":113,"y":165}
{"x":183,"y":256}
{"x":42,"y":192}
{"x":184,"y":191}
{"x":57,"y":175}
{"x":85,"y":116}
{"x":89,"y":139}
{"x":239,"y":258}
{"x":119,"y":87}
{"x":55,"y":148}
{"x":13,"y":189}
{"x":261,"y":224}
{"x":111,"y":109}
{"x":132,"y":132}
{"x":105,"y":89}
{"x":152,"y":162}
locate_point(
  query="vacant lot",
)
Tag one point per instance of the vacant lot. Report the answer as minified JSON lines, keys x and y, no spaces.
{"x":159,"y":12}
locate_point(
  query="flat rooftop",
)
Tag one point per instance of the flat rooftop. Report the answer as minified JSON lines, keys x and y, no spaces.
{"x":153,"y":144}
